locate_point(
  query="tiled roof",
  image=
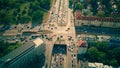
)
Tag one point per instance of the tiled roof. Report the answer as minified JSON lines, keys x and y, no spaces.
{"x":82,"y":43}
{"x":79,"y":16}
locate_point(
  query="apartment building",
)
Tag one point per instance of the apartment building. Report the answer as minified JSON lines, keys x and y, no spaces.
{"x":81,"y":20}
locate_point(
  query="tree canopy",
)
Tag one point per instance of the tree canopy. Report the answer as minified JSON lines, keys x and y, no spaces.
{"x":101,"y":8}
{"x":100,"y":52}
{"x":78,"y":6}
{"x":21,"y":11}
{"x":6,"y":47}
{"x":37,"y":16}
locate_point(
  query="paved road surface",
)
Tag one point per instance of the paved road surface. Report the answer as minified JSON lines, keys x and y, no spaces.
{"x":61,"y":24}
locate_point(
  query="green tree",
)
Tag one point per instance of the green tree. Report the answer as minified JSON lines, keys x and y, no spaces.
{"x":10,"y":48}
{"x":70,"y":3}
{"x":37,"y":16}
{"x":44,"y":4}
{"x":116,"y":53}
{"x":30,"y":12}
{"x":6,"y":18}
{"x":78,"y":6}
{"x":100,"y":52}
{"x":6,"y":47}
{"x":102,"y":57}
{"x":100,"y":14}
{"x":94,"y":6}
{"x":25,"y":19}
{"x":113,"y":62}
{"x":105,"y":2}
{"x":93,"y":2}
{"x":24,"y":12}
{"x":34,"y":6}
{"x":93,"y":54}
{"x":101,"y":46}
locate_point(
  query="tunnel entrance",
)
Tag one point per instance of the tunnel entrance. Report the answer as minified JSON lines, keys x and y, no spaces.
{"x":59,"y":49}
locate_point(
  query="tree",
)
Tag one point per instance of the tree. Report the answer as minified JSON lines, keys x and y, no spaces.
{"x":105,"y":2}
{"x":113,"y":62}
{"x":30,"y":12}
{"x":10,"y":19}
{"x":44,"y":4}
{"x":24,"y":12}
{"x":37,"y":16}
{"x":6,"y":47}
{"x":87,"y":12}
{"x":93,"y":2}
{"x":94,"y":6}
{"x":70,"y":3}
{"x":34,"y":5}
{"x":15,"y":13}
{"x":100,"y":14}
{"x":78,"y":6}
{"x":101,"y":46}
{"x":25,"y":19}
{"x":102,"y":57}
{"x":93,"y":54}
{"x":10,"y":48}
{"x":6,"y":18}
{"x":116,"y":52}
{"x":100,"y":52}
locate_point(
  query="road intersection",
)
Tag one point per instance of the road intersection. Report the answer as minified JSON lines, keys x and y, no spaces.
{"x":62,"y":26}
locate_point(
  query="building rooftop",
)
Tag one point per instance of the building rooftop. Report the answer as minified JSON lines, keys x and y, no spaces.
{"x":96,"y":65}
{"x":38,"y":41}
{"x":79,"y":16}
{"x":15,"y":54}
{"x":82,"y":43}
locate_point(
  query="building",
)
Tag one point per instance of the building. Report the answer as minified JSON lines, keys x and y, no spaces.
{"x":98,"y":65}
{"x":95,"y":65}
{"x":24,"y":56}
{"x":96,"y":25}
{"x":82,"y":47}
{"x":96,"y":21}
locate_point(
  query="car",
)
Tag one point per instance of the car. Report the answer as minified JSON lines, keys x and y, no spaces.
{"x":61,"y":62}
{"x":57,"y":64}
{"x":71,"y":49}
{"x":51,"y":28}
{"x":74,"y":56}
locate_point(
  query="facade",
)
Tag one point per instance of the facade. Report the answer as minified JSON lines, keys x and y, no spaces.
{"x":24,"y":56}
{"x":96,"y":25}
{"x":82,"y":47}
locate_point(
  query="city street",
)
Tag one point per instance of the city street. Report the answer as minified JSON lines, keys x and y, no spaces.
{"x":63,"y":32}
{"x":68,"y":33}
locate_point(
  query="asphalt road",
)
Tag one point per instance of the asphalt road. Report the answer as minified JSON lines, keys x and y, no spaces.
{"x":62,"y":26}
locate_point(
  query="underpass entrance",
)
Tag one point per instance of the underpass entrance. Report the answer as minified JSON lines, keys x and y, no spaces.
{"x":59,"y":49}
